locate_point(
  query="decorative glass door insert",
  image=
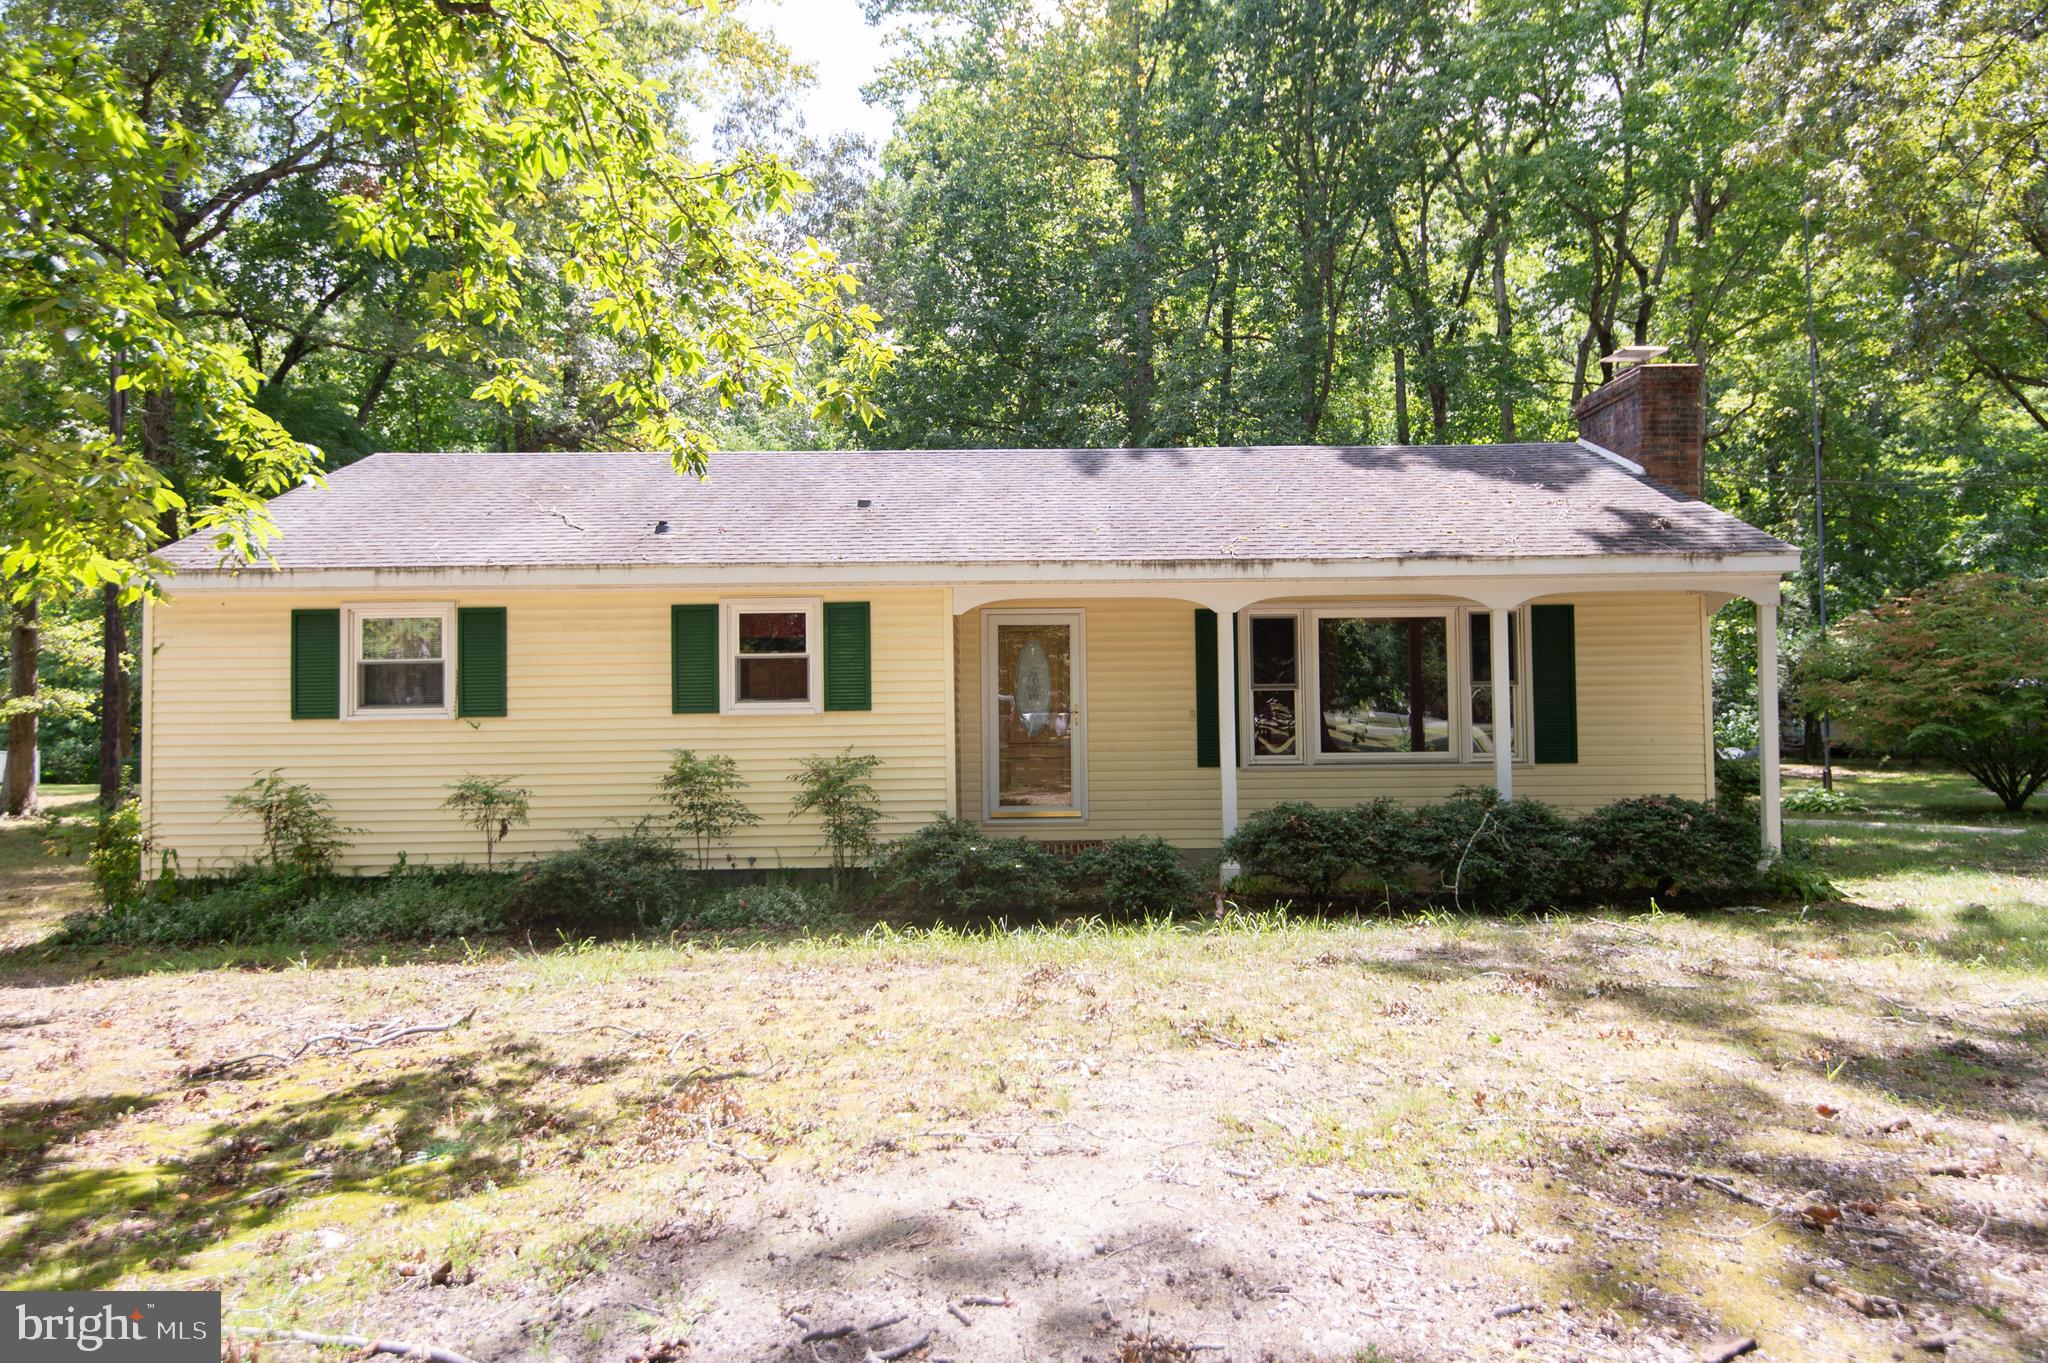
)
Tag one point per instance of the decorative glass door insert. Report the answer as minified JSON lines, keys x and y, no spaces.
{"x":1033,"y":748}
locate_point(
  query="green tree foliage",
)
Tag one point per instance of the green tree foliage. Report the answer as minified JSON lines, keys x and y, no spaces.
{"x":704,"y":800}
{"x":491,"y":805}
{"x":1160,"y":222}
{"x":298,"y":828}
{"x":197,"y":189}
{"x":837,"y":788}
{"x":1958,"y":670}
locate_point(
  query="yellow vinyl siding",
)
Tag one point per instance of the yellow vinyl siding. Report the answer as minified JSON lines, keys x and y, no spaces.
{"x":1645,"y":723}
{"x":590,"y":726}
{"x":588,"y":731}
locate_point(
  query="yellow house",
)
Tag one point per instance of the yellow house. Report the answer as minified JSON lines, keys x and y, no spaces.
{"x":1065,"y":644}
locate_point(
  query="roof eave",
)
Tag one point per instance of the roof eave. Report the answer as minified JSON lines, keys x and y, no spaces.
{"x":947,"y":573}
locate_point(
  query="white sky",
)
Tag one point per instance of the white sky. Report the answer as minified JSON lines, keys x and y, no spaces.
{"x":845,"y":51}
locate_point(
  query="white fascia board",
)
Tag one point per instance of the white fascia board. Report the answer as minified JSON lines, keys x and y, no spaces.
{"x":1409,"y":574}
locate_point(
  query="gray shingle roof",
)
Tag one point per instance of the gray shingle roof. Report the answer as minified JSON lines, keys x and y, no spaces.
{"x":1290,"y":503}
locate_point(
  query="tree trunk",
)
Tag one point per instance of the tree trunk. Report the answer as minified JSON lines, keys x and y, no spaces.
{"x":1226,"y":397}
{"x":1503,"y":334}
{"x":1400,"y":397}
{"x":21,"y":729}
{"x":113,"y":715}
{"x":374,"y":393}
{"x":1141,"y":381}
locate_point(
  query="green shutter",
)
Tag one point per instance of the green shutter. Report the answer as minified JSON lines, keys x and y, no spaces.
{"x":1554,"y":701}
{"x":480,"y":661}
{"x":693,"y":659}
{"x":1208,"y":723}
{"x":849,"y":681}
{"x":316,"y":664}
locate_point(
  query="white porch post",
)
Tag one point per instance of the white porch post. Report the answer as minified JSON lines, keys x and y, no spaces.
{"x":1226,"y":716}
{"x":1767,"y":723}
{"x":1503,"y":707}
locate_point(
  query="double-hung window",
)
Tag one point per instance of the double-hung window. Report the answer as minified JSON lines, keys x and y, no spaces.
{"x":1486,"y":691}
{"x":773,"y":654}
{"x":1275,"y":687}
{"x":401,"y":661}
{"x":1381,"y":684}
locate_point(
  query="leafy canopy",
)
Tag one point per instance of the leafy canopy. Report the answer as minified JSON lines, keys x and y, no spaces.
{"x":1958,"y":670}
{"x":513,"y":146}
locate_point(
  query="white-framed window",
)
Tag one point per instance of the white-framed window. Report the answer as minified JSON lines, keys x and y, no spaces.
{"x":1394,"y":683}
{"x":1273,"y":681}
{"x":401,"y":661}
{"x":773,"y":655}
{"x":1480,"y":684}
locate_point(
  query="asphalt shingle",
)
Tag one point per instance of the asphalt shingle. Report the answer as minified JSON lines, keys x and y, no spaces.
{"x":1268,"y":503}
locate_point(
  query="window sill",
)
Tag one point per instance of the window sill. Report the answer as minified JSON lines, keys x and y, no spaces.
{"x":771,"y":707}
{"x":1477,"y":766}
{"x":401,"y":713}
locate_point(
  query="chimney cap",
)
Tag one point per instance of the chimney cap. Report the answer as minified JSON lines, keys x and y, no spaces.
{"x":1635,"y":354}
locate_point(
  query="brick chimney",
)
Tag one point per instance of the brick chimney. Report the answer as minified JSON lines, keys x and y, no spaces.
{"x":1650,"y":413}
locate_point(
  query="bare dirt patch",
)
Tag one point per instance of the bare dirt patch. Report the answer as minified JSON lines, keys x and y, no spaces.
{"x":1607,"y":1138}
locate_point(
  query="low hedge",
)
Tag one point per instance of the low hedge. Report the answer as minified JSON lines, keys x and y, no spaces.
{"x":1478,"y":851}
{"x":1473,"y":850}
{"x":268,"y":905}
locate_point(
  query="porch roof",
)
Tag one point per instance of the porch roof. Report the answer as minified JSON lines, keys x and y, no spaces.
{"x":1159,"y":507}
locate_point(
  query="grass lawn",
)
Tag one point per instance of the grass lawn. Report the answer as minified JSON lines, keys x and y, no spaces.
{"x":1395,"y":1139}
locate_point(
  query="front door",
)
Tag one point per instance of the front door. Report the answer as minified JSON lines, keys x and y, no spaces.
{"x":1034,"y":745}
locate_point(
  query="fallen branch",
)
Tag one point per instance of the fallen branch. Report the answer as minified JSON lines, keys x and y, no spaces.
{"x":986,"y":1301}
{"x":957,"y":1314}
{"x":1522,"y":1308}
{"x":1728,"y":1349}
{"x":820,"y":1336}
{"x":1864,"y":1303}
{"x":1377,"y":1192}
{"x":1719,"y":1185}
{"x":350,"y":1043}
{"x":433,"y":1353}
{"x":901,"y":1350}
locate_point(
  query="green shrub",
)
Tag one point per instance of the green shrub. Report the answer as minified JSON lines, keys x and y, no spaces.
{"x":1661,"y":843}
{"x":1139,"y":876}
{"x":636,"y":877}
{"x":950,"y":865}
{"x":837,"y":789}
{"x":273,"y":904}
{"x":1303,"y":846}
{"x":1736,"y":779}
{"x":776,"y":907}
{"x":298,"y":830}
{"x":1794,"y":875}
{"x":112,"y":844}
{"x":1505,"y":855}
{"x":489,"y":804}
{"x":1821,"y":800}
{"x":703,"y":798}
{"x":1383,"y":841}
